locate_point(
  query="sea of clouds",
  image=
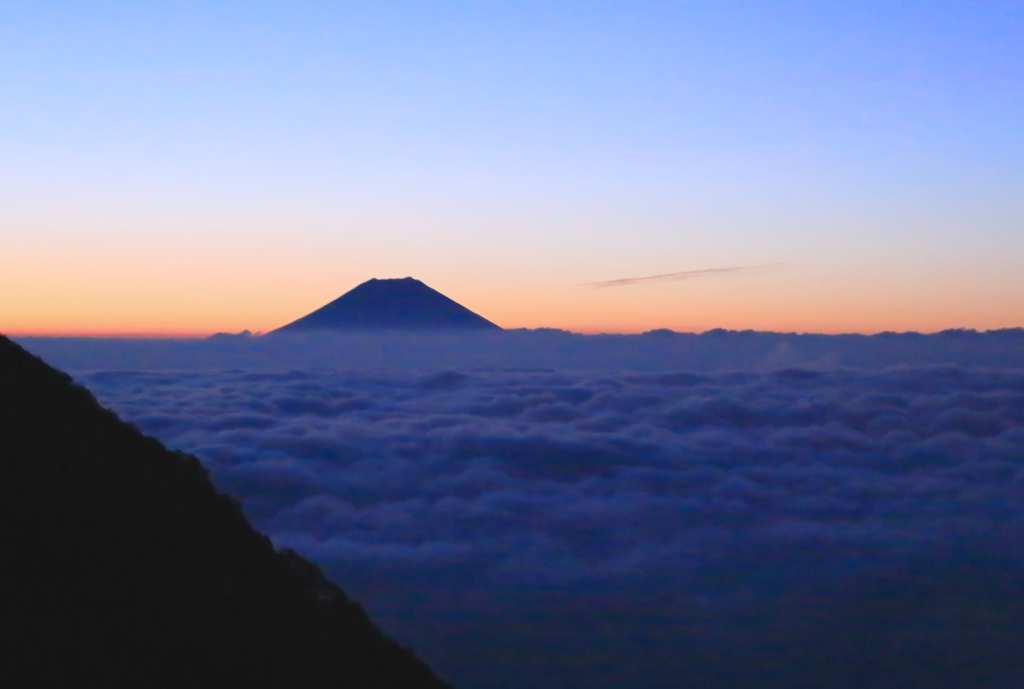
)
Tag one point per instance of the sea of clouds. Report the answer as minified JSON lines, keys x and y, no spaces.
{"x":665,"y":510}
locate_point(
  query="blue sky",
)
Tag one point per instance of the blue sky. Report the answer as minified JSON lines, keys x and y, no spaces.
{"x":269,"y":156}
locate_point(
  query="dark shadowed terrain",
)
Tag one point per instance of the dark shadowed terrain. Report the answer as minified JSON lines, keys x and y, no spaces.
{"x":122,"y":566}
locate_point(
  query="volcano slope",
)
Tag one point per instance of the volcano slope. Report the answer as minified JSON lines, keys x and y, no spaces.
{"x":394,"y":304}
{"x":124,"y":567}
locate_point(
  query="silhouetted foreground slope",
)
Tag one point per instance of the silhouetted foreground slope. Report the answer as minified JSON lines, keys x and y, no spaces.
{"x":122,"y":566}
{"x":400,"y":304}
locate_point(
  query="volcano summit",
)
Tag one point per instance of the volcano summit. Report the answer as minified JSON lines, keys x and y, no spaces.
{"x":399,"y":304}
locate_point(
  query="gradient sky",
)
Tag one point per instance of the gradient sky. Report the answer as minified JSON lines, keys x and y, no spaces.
{"x":191,"y":167}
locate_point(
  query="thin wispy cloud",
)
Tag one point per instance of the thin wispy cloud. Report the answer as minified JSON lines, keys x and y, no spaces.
{"x":685,"y":275}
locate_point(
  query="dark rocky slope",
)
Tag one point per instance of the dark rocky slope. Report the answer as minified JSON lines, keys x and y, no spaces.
{"x":122,"y":566}
{"x":400,"y":304}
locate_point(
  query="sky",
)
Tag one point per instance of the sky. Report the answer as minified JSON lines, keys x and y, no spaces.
{"x":185,"y":168}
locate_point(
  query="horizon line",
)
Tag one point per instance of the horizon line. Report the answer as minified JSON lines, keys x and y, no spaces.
{"x":202,"y":335}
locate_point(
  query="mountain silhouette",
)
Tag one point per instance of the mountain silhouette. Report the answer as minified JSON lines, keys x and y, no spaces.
{"x":123,"y":567}
{"x":399,"y":304}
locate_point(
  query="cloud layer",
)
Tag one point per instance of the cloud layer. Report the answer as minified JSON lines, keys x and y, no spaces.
{"x":655,"y":351}
{"x":539,"y":528}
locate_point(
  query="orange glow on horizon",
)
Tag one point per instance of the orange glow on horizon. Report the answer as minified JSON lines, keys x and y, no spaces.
{"x":121,"y":295}
{"x":622,"y":313}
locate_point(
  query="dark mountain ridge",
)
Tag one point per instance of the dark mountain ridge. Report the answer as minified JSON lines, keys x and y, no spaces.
{"x":124,"y":567}
{"x":399,"y":304}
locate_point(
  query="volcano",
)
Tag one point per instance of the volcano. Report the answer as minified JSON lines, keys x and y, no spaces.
{"x":399,"y":304}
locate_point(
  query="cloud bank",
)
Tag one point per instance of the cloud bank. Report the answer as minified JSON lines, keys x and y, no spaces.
{"x":777,"y":527}
{"x":655,"y":351}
